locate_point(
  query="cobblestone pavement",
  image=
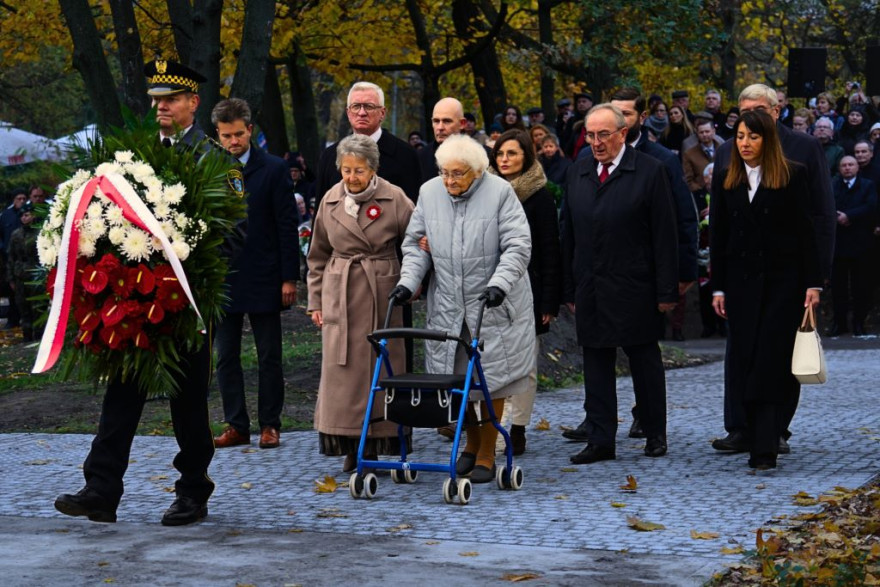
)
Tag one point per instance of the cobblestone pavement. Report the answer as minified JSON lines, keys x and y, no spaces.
{"x":560,"y":508}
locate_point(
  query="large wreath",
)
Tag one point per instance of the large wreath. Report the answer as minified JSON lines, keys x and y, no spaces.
{"x":132,"y":250}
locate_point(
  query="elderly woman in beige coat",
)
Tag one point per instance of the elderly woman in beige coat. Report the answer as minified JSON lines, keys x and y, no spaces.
{"x":353,"y":265}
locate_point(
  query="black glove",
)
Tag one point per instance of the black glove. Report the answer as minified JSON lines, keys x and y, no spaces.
{"x":400,"y":294}
{"x":493,"y":296}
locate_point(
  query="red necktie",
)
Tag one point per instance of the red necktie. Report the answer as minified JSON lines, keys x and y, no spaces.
{"x":603,"y":175}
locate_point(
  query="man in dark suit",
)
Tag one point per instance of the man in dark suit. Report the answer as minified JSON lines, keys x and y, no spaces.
{"x":174,"y":88}
{"x":398,"y":162}
{"x":856,"y":199}
{"x":447,"y":119}
{"x":806,"y":150}
{"x":632,"y":105}
{"x":620,"y":262}
{"x":262,"y":281}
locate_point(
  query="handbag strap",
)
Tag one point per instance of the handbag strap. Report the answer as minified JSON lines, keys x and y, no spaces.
{"x":809,"y":322}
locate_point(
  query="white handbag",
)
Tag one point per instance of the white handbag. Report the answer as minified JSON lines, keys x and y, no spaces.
{"x":808,"y":359}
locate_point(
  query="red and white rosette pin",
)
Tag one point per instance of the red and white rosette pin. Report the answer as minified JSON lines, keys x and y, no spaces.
{"x":373,"y":212}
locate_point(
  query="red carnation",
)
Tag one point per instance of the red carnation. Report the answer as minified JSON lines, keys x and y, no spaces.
{"x":172,"y":300}
{"x":109,"y":263}
{"x":144,"y":280}
{"x":123,"y":283}
{"x":93,"y":279}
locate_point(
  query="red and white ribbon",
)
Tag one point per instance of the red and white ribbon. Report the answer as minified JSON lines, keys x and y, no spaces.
{"x":117,"y":189}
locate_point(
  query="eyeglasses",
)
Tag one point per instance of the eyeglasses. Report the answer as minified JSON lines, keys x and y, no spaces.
{"x":368,"y":108}
{"x":600,"y":137}
{"x":455,"y":175}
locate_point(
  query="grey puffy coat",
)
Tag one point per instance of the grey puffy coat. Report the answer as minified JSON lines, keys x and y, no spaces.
{"x":478,"y":240}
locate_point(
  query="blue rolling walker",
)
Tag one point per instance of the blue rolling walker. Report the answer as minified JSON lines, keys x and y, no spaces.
{"x":427,"y":400}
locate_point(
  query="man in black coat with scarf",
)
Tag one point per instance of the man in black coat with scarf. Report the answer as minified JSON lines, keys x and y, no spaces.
{"x":806,"y":150}
{"x":620,"y":262}
{"x":262,"y":280}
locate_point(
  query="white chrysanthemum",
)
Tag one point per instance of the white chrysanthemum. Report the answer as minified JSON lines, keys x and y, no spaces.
{"x":162,"y":210}
{"x":55,"y":219}
{"x":174,"y":193}
{"x":181,"y":220}
{"x":86,"y":245}
{"x":95,"y":210}
{"x":181,"y":249}
{"x":141,"y":172}
{"x":46,"y":249}
{"x":116,"y":235}
{"x":167,"y":228}
{"x":95,"y":227}
{"x":154,"y":194}
{"x":136,"y":245}
{"x":123,"y":156}
{"x":156,"y":243}
{"x":152,"y":183}
{"x":108,"y":168}
{"x":113,"y":214}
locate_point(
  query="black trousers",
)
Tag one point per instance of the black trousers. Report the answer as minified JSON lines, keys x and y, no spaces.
{"x":600,"y":386}
{"x":266,"y":327}
{"x":123,"y":405}
{"x":851,"y":278}
{"x":765,"y":424}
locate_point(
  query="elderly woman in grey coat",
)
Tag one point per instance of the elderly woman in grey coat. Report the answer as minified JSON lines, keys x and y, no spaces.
{"x":480,"y":244}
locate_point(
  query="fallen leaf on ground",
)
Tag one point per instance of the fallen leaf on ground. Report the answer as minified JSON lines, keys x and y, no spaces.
{"x":158,"y":477}
{"x":804,"y":498}
{"x":39,"y":462}
{"x":295,"y":531}
{"x":514,"y":578}
{"x":731,"y":550}
{"x":432,"y":542}
{"x":246,"y":485}
{"x":618,"y":504}
{"x":328,"y":485}
{"x":760,"y":486}
{"x":331,"y":513}
{"x":631,"y":483}
{"x":469,"y":553}
{"x":248,"y":450}
{"x":400,"y":527}
{"x":542,"y":424}
{"x":569,"y":469}
{"x":561,"y":497}
{"x":704,"y":535}
{"x":552,"y":357}
{"x":643,"y":525}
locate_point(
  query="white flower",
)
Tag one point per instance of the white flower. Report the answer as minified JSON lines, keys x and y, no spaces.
{"x":154,"y":194}
{"x":181,"y":220}
{"x":181,"y":249}
{"x":95,"y":210}
{"x":174,"y":193}
{"x":116,"y":235}
{"x":56,"y":218}
{"x":161,"y":210}
{"x":113,"y":214}
{"x":46,"y":249}
{"x":141,"y":171}
{"x":152,"y":183}
{"x":95,"y":228}
{"x":136,"y":245}
{"x":123,"y":156}
{"x":86,"y":245}
{"x":108,"y":168}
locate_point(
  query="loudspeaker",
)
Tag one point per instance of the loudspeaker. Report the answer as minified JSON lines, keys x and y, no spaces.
{"x":806,"y":72}
{"x":872,"y":70}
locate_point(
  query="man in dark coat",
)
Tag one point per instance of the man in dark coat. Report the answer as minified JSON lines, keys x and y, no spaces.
{"x":620,"y":265}
{"x":806,"y":150}
{"x":398,"y":162}
{"x":262,"y":280}
{"x":174,"y":89}
{"x":447,"y":119}
{"x":856,"y":199}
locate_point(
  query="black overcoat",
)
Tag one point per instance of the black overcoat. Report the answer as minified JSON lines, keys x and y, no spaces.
{"x":620,"y":250}
{"x":763,"y":257}
{"x":859,"y":203}
{"x":270,"y":253}
{"x":545,"y":264}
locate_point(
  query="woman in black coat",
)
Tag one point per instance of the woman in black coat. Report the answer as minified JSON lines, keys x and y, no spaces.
{"x":765,"y":271}
{"x":513,"y":158}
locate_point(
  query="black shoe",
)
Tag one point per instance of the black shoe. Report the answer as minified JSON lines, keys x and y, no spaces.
{"x":593,"y":453}
{"x":859,"y":330}
{"x":656,"y":447}
{"x":733,"y":442}
{"x":677,"y":335}
{"x":837,"y":330}
{"x":89,"y":503}
{"x":185,"y":510}
{"x":482,"y":474}
{"x":465,"y":463}
{"x":762,"y":462}
{"x":635,"y":431}
{"x":579,"y":433}
{"x":784,"y":448}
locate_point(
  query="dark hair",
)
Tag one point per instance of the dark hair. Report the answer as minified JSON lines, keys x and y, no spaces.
{"x":519,"y":121}
{"x":230,"y":110}
{"x":417,"y":133}
{"x":630,"y":94}
{"x":525,"y":143}
{"x":775,"y":172}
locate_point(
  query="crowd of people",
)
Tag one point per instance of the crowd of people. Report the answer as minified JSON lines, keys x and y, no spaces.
{"x":614,"y":210}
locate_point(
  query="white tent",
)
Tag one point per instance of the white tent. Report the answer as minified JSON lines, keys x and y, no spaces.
{"x":80,"y":138}
{"x":19,"y":146}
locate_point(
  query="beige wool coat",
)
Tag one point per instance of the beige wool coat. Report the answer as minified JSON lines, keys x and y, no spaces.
{"x":353,"y":266}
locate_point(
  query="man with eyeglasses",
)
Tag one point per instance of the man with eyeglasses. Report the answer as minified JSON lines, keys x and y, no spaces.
{"x":823,"y":130}
{"x":806,"y":150}
{"x":620,"y":267}
{"x":398,"y":161}
{"x":447,"y":119}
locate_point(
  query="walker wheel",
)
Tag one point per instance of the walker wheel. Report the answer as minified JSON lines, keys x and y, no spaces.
{"x":356,"y":485}
{"x":395,"y":476}
{"x":464,"y":491}
{"x":501,"y":477}
{"x":449,"y":490}
{"x":516,"y":478}
{"x":410,"y":476}
{"x":371,"y":485}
